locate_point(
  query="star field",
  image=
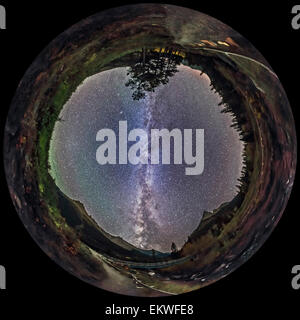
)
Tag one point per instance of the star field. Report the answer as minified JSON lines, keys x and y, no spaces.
{"x":150,"y":206}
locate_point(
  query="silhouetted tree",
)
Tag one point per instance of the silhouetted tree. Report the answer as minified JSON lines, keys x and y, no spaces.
{"x":153,"y":69}
{"x":174,"y":248}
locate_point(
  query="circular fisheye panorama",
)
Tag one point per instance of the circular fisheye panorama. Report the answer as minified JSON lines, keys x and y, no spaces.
{"x":151,"y":153}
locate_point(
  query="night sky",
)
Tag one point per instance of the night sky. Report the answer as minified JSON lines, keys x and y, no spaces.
{"x":150,"y":206}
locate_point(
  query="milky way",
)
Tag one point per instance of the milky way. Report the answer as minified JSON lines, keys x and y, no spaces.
{"x":150,"y":206}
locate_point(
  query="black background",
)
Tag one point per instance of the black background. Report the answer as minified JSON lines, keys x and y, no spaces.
{"x":262,"y":284}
